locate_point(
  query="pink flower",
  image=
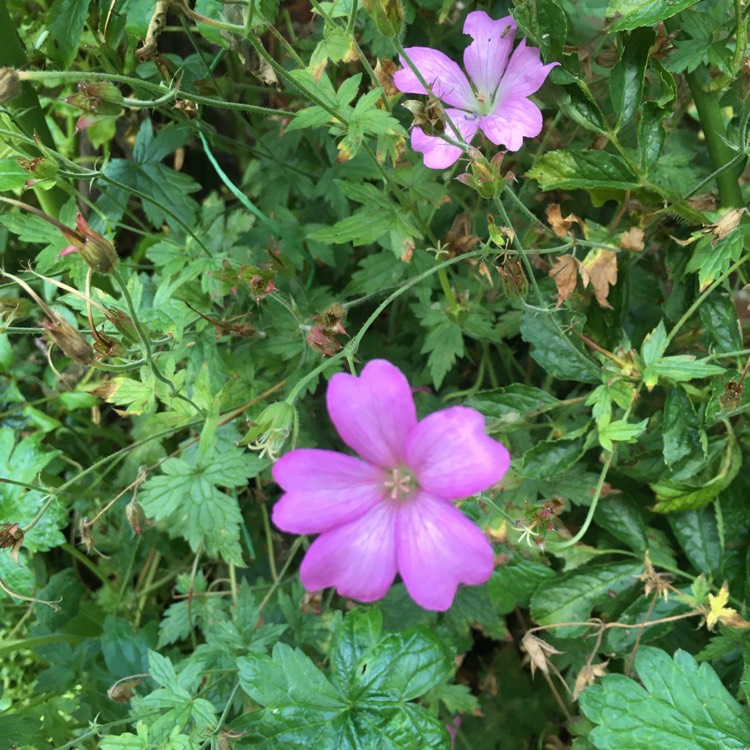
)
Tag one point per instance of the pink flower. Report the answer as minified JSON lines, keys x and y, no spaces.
{"x":494,"y":98}
{"x":390,"y":511}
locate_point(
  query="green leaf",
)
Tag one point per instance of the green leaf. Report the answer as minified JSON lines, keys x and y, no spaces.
{"x":674,"y":495}
{"x":676,"y":705}
{"x":620,"y":432}
{"x":681,"y":426}
{"x":621,"y":517}
{"x":512,"y":585}
{"x":444,"y":343}
{"x":166,"y":190}
{"x":573,"y":596}
{"x":698,"y":534}
{"x":12,"y":176}
{"x":545,"y":23}
{"x":65,"y":23}
{"x":626,"y":79}
{"x":561,"y":355}
{"x":24,"y":461}
{"x":363,"y":227}
{"x":630,"y":14}
{"x":510,"y":407}
{"x":588,"y":170}
{"x":187,"y":498}
{"x":681,"y":368}
{"x":712,"y":259}
{"x":550,"y":458}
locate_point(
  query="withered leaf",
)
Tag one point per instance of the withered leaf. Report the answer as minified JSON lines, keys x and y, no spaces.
{"x":565,"y":273}
{"x":599,"y":268}
{"x":632,"y":239}
{"x":560,"y":225}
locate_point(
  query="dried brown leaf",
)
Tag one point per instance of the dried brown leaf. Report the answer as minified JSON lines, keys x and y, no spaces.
{"x":560,"y":225}
{"x":633,"y":239}
{"x":565,"y":273}
{"x":599,"y":268}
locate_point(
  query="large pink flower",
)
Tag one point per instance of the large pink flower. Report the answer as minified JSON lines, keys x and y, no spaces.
{"x":494,"y":98}
{"x":390,"y":511}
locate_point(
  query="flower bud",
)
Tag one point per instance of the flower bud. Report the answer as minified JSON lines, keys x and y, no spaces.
{"x":10,"y":84}
{"x":513,"y":279}
{"x":271,"y":429}
{"x":124,"y":324}
{"x":387,"y":15}
{"x":70,"y":341}
{"x":97,"y":251}
{"x":136,"y":517}
{"x":100,"y":98}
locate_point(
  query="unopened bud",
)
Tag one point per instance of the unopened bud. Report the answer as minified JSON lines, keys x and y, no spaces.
{"x":97,"y":251}
{"x":106,"y":346}
{"x":40,"y":168}
{"x":271,"y":430}
{"x":124,"y":324}
{"x":100,"y":98}
{"x":387,"y":15}
{"x":136,"y":517}
{"x":513,"y":279}
{"x":10,"y":84}
{"x":70,"y":341}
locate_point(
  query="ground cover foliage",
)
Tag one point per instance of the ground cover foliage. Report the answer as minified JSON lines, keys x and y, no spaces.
{"x":256,"y":221}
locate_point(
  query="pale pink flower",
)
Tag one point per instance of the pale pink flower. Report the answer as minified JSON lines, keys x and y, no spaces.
{"x":390,"y":511}
{"x":494,"y":97}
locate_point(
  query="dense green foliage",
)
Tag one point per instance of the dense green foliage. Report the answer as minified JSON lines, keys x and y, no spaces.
{"x":249,"y":161}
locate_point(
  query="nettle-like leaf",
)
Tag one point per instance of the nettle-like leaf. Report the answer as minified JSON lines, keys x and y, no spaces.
{"x":630,"y":14}
{"x":676,"y":705}
{"x":573,"y":596}
{"x":366,"y":701}
{"x":188,"y":499}
{"x":588,"y":170}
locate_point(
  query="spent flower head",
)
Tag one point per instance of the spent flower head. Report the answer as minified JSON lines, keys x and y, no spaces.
{"x":494,"y":98}
{"x":391,"y":510}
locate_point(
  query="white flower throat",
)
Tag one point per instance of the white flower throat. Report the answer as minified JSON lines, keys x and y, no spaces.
{"x":401,"y":484}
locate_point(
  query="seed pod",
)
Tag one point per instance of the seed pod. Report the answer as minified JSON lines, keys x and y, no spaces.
{"x":70,"y":341}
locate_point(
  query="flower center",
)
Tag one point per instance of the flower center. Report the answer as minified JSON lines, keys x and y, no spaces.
{"x":400,"y":484}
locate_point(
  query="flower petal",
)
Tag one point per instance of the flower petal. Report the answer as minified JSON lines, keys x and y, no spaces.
{"x":514,"y":119}
{"x":374,"y":412}
{"x":447,"y":81}
{"x":452,"y":457}
{"x":486,"y":57}
{"x":358,"y":560}
{"x":438,"y":154}
{"x":524,"y":75}
{"x":324,"y":489}
{"x":438,"y":548}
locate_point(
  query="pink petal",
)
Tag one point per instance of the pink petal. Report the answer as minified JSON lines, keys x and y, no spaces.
{"x":447,"y":81}
{"x":438,"y":548}
{"x":358,"y":560}
{"x":513,"y":119}
{"x":486,"y":57}
{"x":452,"y":457}
{"x":324,"y":489}
{"x":525,"y":73}
{"x":374,"y":412}
{"x":438,"y":154}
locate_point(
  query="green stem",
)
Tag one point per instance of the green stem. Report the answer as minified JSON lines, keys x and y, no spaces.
{"x":26,"y":107}
{"x":354,"y":343}
{"x":134,"y":83}
{"x":712,"y":122}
